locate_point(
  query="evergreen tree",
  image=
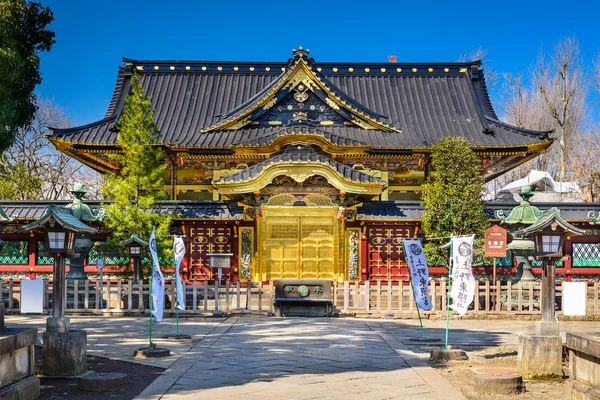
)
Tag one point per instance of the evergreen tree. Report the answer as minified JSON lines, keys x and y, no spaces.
{"x":23,"y":35}
{"x":138,"y":184}
{"x":453,"y":197}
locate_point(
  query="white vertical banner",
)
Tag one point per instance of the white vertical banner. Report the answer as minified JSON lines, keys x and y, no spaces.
{"x":158,"y":282}
{"x":179,"y":252}
{"x":419,"y":272}
{"x":463,"y":282}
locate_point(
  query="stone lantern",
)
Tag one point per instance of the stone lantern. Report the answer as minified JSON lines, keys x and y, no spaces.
{"x":135,"y":245}
{"x":64,"y":349}
{"x":520,"y":217}
{"x":540,"y":354}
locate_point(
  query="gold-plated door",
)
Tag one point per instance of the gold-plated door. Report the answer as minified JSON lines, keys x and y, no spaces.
{"x":317,"y":248}
{"x":299,"y":243}
{"x":282,"y":248}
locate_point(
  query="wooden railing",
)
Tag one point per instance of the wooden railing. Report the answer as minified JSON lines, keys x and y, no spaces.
{"x":389,"y":297}
{"x":381,"y":297}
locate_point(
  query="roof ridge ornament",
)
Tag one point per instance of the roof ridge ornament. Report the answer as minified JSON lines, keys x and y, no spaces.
{"x":300,"y":53}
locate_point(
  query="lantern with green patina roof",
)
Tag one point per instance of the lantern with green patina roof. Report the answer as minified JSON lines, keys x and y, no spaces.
{"x":519,"y":217}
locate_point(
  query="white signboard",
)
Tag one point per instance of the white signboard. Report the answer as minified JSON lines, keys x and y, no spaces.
{"x":574,"y":298}
{"x":32,"y":296}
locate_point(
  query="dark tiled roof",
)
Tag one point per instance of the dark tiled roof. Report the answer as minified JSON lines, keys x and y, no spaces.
{"x":300,"y":130}
{"x":185,"y":209}
{"x":63,"y":216}
{"x":414,"y":210}
{"x":426,"y":101}
{"x":301,"y":156}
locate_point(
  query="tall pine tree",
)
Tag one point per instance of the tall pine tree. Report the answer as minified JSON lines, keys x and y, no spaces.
{"x":138,"y":183}
{"x":453,"y":197}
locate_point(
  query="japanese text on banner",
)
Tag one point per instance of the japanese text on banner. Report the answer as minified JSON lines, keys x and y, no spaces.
{"x":419,"y":272}
{"x":463,"y":282}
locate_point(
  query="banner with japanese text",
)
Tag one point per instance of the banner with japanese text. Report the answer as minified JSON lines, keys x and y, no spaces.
{"x":158,"y":282}
{"x":179,"y":252}
{"x":463,"y":281}
{"x":419,"y":272}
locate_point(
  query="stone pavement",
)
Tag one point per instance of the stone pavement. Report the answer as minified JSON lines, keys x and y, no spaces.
{"x":268,"y":358}
{"x":271,"y":358}
{"x":119,"y":337}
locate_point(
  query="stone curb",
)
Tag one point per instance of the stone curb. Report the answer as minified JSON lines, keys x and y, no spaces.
{"x":441,"y":386}
{"x":168,"y":378}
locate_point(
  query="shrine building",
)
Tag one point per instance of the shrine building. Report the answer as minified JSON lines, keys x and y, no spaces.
{"x":303,"y":169}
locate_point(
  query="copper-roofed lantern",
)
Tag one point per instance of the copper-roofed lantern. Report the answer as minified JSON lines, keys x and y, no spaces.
{"x":549,"y":233}
{"x":60,"y":228}
{"x":520,"y":217}
{"x":540,"y":354}
{"x":64,"y":349}
{"x":135,"y":244}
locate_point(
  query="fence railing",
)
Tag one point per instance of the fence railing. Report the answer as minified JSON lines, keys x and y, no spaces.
{"x":380,"y":297}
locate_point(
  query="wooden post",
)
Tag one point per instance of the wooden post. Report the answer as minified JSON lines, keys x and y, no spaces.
{"x":498,"y":290}
{"x":75,"y":294}
{"x":87,"y":294}
{"x":487,"y":296}
{"x":476,"y":296}
{"x":10,"y":294}
{"x":129,"y":295}
{"x":227,"y":294}
{"x":444,"y":294}
{"x":346,"y":295}
{"x":367,"y":295}
{"x":141,"y":295}
{"x":119,"y":294}
{"x":260,"y":295}
{"x":107,"y":294}
{"x":378,"y":296}
{"x":205,"y":293}
{"x":238,"y":295}
{"x":494,"y":271}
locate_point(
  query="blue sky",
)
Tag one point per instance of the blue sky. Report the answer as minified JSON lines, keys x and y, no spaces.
{"x":93,"y":36}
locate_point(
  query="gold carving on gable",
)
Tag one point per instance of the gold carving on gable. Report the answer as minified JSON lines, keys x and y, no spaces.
{"x":300,"y":177}
{"x":332,"y":104}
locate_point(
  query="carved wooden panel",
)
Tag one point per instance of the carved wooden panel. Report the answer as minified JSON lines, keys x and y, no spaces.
{"x":386,"y":257}
{"x":205,"y":240}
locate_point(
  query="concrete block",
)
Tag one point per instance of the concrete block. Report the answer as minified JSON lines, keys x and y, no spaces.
{"x":448,"y":355}
{"x":539,"y":357}
{"x":156,"y":352}
{"x":25,"y":389}
{"x":575,"y":390}
{"x":16,"y":355}
{"x":65,"y":353}
{"x":104,"y":382}
{"x":506,"y":384}
{"x":584,"y":364}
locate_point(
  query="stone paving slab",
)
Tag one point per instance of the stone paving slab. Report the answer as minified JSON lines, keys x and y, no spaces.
{"x":118,"y":337}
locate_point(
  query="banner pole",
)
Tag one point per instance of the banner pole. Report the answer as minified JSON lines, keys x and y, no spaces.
{"x":418,"y":312}
{"x":176,"y":311}
{"x":448,"y":293}
{"x":151,"y":300}
{"x":413,"y":290}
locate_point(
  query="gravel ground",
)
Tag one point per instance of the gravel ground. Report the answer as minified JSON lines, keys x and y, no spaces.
{"x":461,"y":373}
{"x":139,"y":376}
